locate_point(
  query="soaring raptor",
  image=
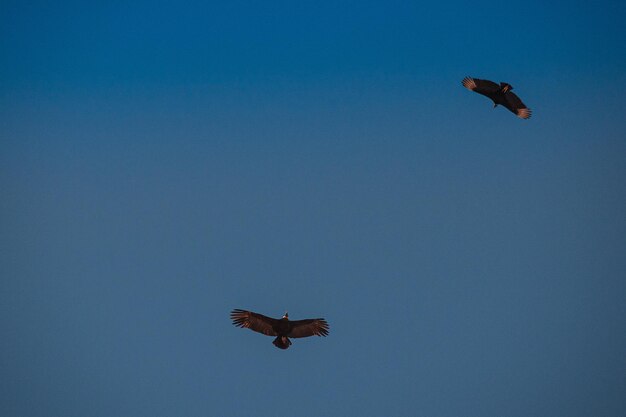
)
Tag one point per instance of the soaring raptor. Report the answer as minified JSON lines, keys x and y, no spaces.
{"x":282,"y":328}
{"x":499,"y":94}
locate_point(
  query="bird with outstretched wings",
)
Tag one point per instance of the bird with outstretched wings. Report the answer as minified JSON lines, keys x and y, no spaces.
{"x":499,"y":94}
{"x":282,"y":328}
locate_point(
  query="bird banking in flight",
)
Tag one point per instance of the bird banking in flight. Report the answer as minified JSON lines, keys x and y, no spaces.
{"x":282,"y":328}
{"x":499,"y":94}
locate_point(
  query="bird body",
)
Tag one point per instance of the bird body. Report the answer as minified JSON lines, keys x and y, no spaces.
{"x":499,"y":94}
{"x":282,"y":328}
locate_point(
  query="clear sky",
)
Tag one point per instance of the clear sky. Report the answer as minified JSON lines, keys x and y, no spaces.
{"x":163,"y":163}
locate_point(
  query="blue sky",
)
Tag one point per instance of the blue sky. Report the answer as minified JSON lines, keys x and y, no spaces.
{"x":162,"y":164}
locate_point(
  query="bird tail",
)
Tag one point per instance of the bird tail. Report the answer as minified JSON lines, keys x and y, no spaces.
{"x":282,"y":342}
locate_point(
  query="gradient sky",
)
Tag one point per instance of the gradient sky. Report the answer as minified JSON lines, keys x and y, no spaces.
{"x":162,"y":164}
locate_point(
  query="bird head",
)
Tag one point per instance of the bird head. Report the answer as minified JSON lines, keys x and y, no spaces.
{"x":286,"y":316}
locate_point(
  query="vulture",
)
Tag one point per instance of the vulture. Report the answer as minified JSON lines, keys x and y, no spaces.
{"x":282,"y":328}
{"x":499,"y":94}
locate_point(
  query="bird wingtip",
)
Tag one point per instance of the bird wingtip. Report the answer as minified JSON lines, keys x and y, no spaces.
{"x":469,"y":83}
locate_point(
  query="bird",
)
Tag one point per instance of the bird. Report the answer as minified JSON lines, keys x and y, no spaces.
{"x":499,"y":94}
{"x":282,"y":328}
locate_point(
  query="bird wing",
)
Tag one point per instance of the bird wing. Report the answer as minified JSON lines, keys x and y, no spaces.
{"x":309,"y":327}
{"x":484,"y":87}
{"x":514,"y":104}
{"x":254,"y":321}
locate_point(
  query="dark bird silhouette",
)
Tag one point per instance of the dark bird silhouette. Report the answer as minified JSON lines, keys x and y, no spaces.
{"x":283,"y":328}
{"x":499,"y":94}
